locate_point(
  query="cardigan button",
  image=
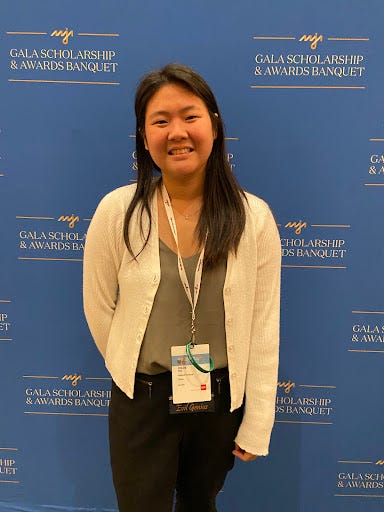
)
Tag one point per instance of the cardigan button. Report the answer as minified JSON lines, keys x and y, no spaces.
{"x":227,"y":290}
{"x":231,"y":348}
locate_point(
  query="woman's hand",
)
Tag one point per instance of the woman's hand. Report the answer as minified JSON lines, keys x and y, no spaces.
{"x":242,"y":454}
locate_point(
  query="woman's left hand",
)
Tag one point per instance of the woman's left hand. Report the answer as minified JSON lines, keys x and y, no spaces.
{"x":242,"y":454}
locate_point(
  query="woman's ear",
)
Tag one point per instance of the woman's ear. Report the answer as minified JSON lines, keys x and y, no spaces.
{"x":214,"y":125}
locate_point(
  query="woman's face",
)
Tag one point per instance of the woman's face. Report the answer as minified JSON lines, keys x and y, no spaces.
{"x":178,"y":132}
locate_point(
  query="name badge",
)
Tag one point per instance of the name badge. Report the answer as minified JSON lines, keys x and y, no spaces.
{"x":188,"y":383}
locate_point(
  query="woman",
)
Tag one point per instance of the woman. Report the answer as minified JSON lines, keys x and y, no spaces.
{"x":184,"y":264}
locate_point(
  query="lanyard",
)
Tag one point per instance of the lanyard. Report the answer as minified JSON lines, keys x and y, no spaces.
{"x":182,"y":273}
{"x":184,"y":280}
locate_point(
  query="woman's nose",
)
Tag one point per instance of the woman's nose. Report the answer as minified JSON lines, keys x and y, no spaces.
{"x":177,"y":130}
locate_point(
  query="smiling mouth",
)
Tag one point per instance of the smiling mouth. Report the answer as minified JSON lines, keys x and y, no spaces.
{"x":181,"y":151}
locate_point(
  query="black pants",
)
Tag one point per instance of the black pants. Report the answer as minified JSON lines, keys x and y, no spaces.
{"x":153,"y":452}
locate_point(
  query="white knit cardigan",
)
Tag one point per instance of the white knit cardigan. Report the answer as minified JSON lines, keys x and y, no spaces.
{"x":119,"y":294}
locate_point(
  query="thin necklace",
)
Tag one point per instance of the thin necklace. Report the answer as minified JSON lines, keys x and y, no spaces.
{"x":187,"y":216}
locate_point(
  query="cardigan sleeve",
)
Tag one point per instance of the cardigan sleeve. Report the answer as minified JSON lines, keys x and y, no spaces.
{"x":261,"y":378}
{"x":100,"y":271}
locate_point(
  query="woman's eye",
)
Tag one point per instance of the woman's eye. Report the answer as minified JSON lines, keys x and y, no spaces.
{"x":191,"y":118}
{"x":160,"y":121}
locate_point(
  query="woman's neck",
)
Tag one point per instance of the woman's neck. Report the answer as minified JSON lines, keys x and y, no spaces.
{"x":185,"y":189}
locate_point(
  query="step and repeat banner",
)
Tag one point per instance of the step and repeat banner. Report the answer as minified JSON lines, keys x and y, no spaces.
{"x":300,"y":85}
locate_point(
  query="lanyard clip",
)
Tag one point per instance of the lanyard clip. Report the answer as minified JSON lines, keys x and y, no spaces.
{"x":193,"y":330}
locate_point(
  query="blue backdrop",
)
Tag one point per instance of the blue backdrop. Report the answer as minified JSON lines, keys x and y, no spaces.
{"x":300,"y":85}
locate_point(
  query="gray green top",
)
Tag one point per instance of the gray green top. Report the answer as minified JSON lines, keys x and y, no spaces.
{"x":170,"y":320}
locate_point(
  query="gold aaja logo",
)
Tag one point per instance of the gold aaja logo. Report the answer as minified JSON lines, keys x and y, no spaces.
{"x":71,"y":219}
{"x":65,"y":34}
{"x":313,"y":39}
{"x":287,"y":386}
{"x":73,"y":378}
{"x":380,"y":463}
{"x":298,"y":225}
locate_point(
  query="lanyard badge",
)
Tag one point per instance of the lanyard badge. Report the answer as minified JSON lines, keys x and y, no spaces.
{"x":191,"y":363}
{"x":189,"y":385}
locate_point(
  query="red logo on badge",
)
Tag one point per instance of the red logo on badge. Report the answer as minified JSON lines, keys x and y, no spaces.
{"x":203,"y":387}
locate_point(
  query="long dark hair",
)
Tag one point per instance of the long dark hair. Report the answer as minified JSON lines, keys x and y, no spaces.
{"x":223,"y":212}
